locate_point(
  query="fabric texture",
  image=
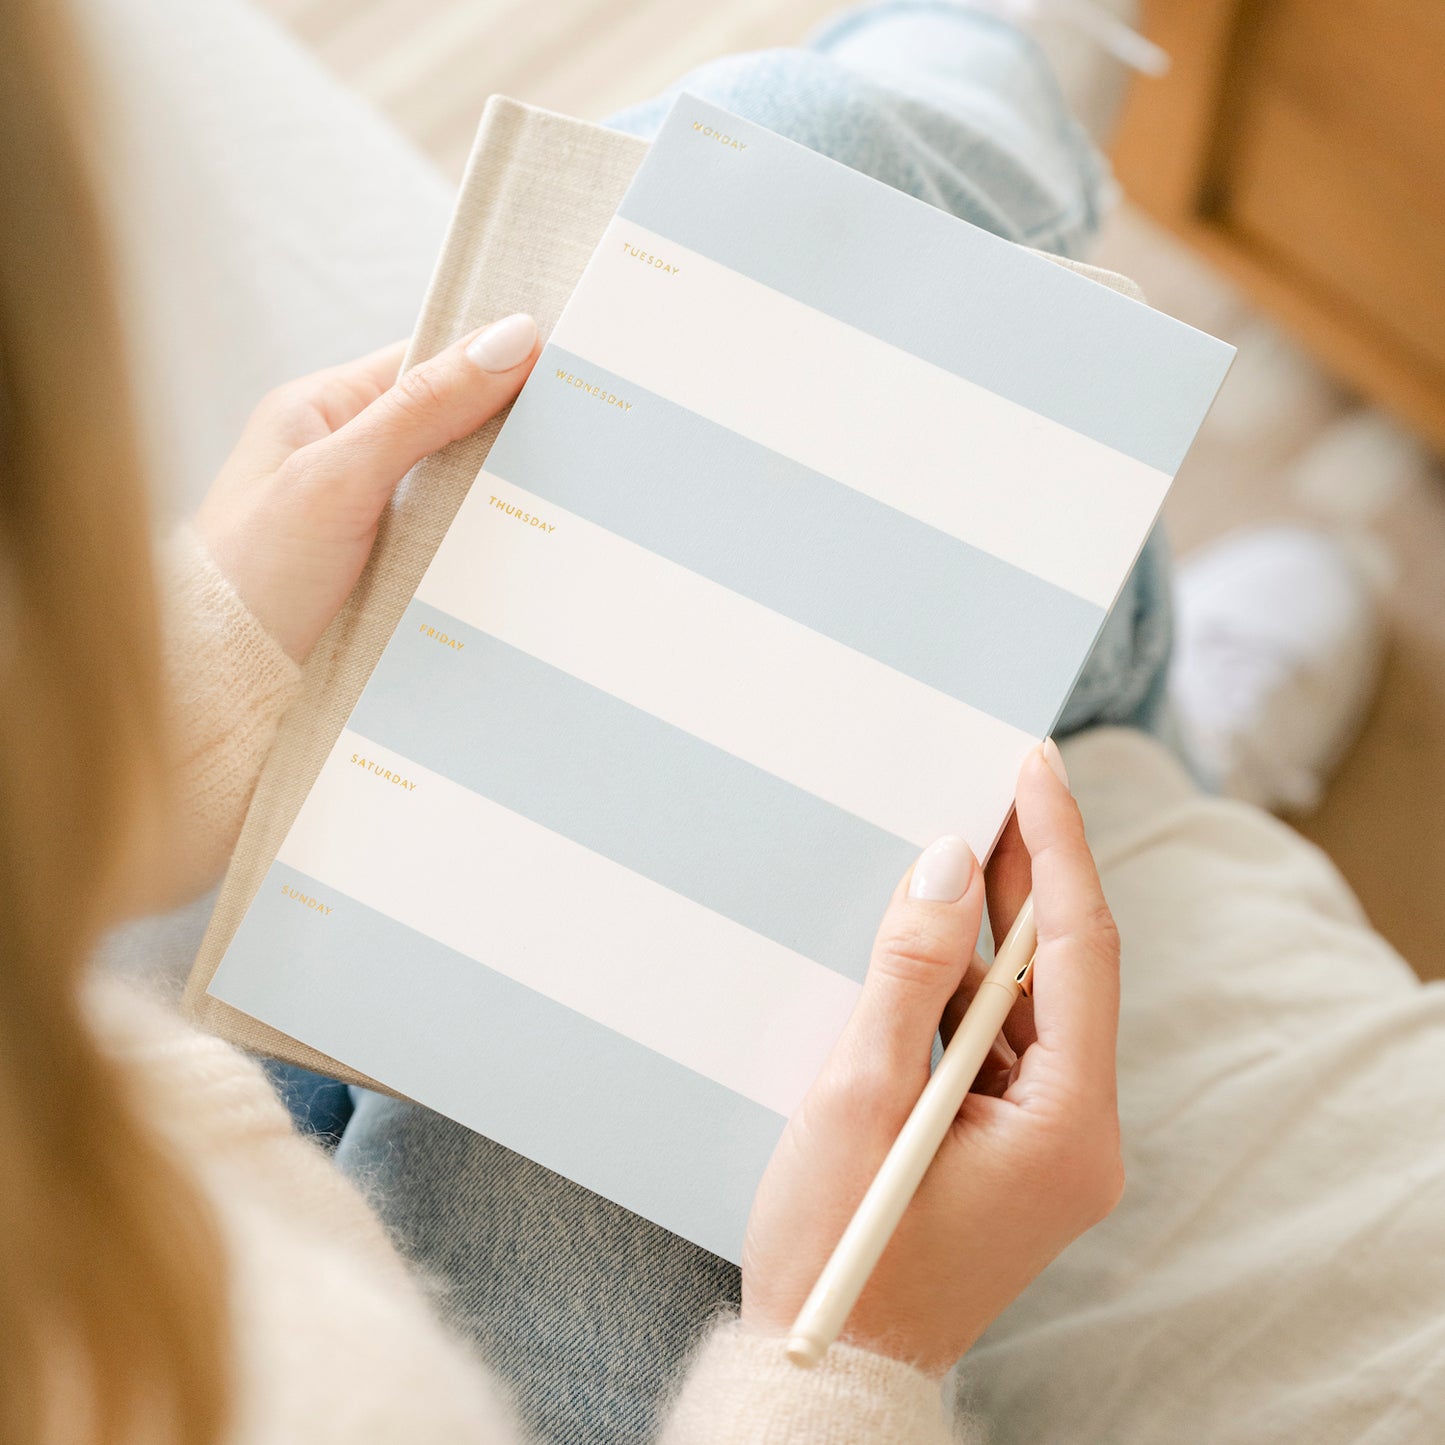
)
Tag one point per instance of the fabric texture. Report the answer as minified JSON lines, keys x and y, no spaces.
{"x":849,"y":1395}
{"x":947,"y":102}
{"x":1276,"y":1268}
{"x":332,"y":1338}
{"x":229,"y":683}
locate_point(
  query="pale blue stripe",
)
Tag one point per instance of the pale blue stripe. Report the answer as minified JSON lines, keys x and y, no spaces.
{"x":910,"y":274}
{"x":538,"y":1077}
{"x":803,"y":545}
{"x":624,"y":784}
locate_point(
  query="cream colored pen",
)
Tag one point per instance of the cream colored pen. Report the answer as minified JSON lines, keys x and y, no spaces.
{"x":868,"y":1232}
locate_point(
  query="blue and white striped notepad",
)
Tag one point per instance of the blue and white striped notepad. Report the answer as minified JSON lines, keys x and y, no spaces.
{"x":791,"y":548}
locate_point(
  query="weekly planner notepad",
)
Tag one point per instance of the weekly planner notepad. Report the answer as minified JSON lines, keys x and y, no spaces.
{"x":790,"y":549}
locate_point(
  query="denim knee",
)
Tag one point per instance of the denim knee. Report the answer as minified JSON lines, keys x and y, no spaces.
{"x":1124,"y":681}
{"x":903,"y":141}
{"x":799,"y":94}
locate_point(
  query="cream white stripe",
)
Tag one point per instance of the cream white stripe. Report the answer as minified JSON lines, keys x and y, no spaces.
{"x":904,"y":431}
{"x":739,"y":1009}
{"x":807,"y":709}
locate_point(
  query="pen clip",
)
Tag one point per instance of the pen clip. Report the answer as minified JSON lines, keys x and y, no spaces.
{"x":1025,"y":978}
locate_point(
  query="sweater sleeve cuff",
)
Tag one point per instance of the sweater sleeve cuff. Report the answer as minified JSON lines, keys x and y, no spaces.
{"x":229,"y":681}
{"x":742,"y":1387}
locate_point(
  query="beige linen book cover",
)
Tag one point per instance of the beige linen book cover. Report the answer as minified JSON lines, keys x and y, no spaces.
{"x":538,"y":193}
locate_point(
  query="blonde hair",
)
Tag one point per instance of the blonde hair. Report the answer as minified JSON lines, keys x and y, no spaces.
{"x":112,"y":1303}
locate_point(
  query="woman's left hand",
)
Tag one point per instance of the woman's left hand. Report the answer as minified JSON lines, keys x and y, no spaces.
{"x":292,"y":517}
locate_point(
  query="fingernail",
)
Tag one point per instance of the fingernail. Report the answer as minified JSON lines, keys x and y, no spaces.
{"x":1055,"y":759}
{"x":504,"y":344}
{"x":943,"y":871}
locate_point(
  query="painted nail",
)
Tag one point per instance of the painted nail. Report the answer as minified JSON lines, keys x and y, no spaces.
{"x":1055,"y":759}
{"x":943,"y":871}
{"x":504,"y":344}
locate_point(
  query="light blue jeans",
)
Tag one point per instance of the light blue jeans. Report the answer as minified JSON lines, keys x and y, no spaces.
{"x":584,"y":1309}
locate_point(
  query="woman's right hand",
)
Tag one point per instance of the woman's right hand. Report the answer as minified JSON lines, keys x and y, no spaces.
{"x":1033,"y":1160}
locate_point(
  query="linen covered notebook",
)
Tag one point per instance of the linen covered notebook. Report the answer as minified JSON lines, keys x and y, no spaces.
{"x":791,"y":548}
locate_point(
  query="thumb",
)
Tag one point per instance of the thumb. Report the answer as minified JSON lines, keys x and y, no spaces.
{"x":922,"y":951}
{"x":436,"y":402}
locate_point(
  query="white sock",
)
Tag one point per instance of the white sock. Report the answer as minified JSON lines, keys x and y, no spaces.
{"x":1277,"y":659}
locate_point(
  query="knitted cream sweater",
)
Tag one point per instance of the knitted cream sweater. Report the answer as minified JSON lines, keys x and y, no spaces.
{"x":334,"y":1340}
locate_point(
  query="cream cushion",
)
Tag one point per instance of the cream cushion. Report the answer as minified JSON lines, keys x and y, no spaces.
{"x":1276,"y":1270}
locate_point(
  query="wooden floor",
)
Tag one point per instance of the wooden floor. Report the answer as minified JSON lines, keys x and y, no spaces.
{"x":1282,"y":442}
{"x":429,"y":64}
